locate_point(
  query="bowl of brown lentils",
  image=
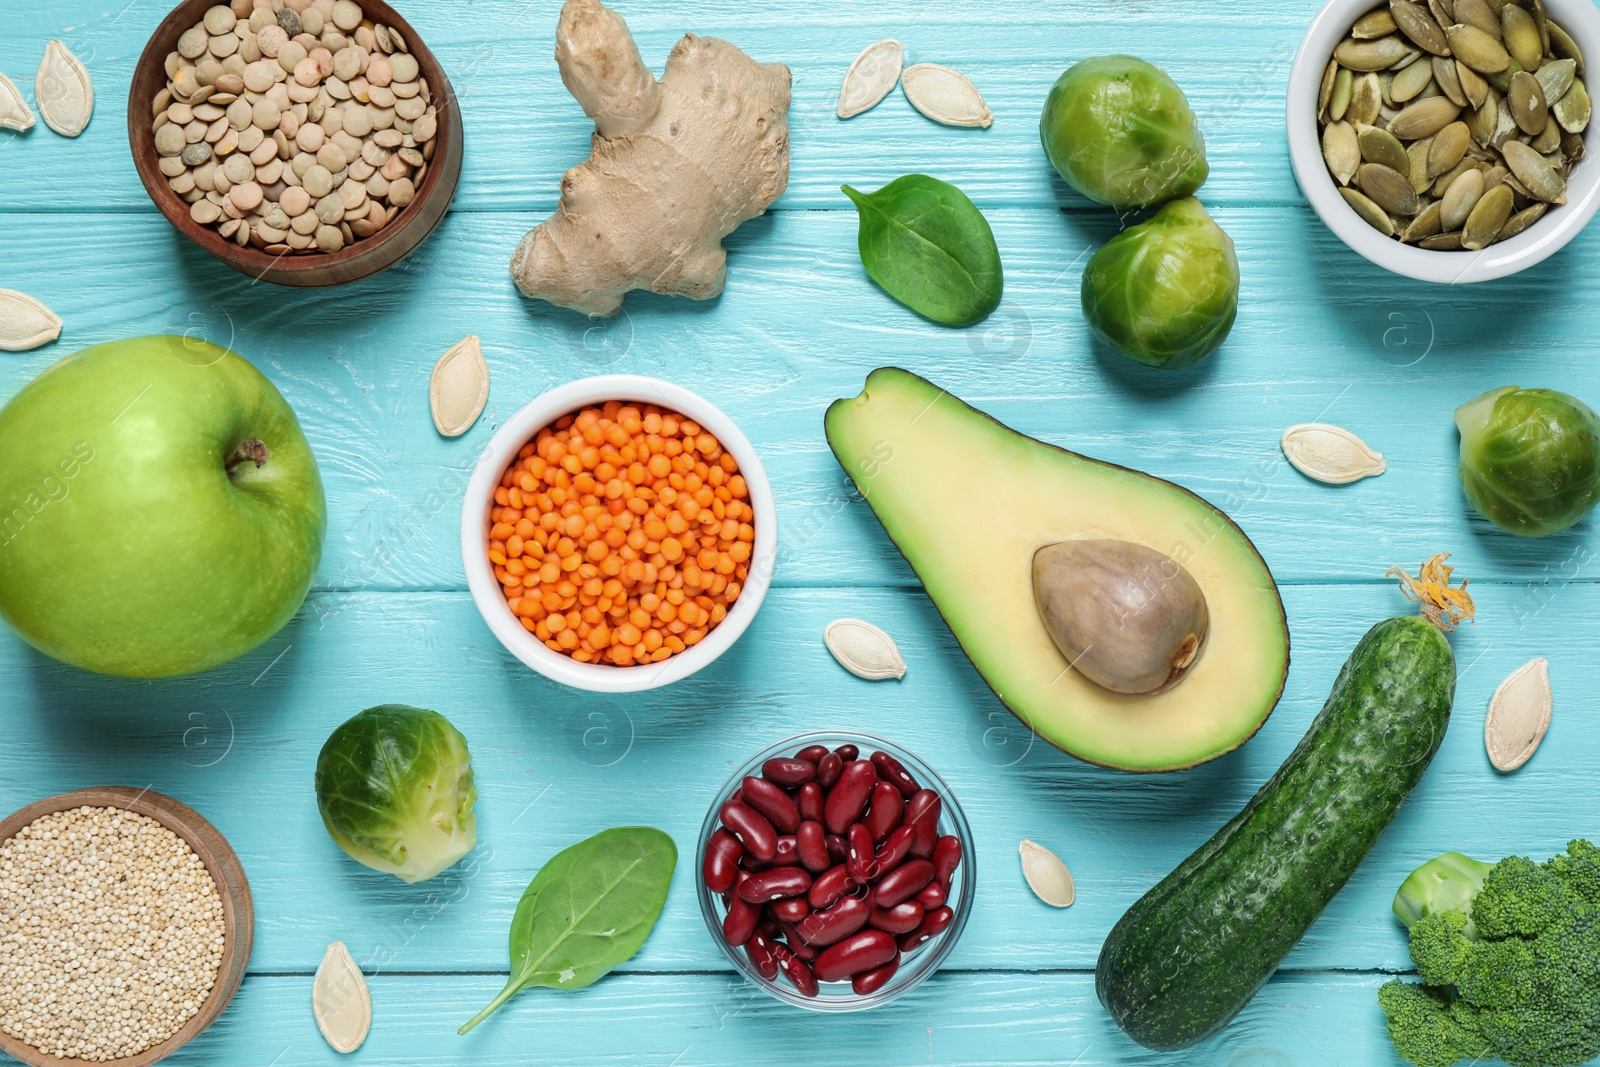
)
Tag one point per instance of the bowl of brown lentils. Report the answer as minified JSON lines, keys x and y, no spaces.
{"x":1445,"y":140}
{"x":125,"y":928}
{"x":302,"y":142}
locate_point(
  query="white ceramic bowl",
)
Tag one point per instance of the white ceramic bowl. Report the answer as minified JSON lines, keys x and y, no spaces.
{"x":491,"y":603}
{"x":1580,"y":18}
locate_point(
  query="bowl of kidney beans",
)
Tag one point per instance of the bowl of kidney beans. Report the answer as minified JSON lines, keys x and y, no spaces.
{"x":836,"y":871}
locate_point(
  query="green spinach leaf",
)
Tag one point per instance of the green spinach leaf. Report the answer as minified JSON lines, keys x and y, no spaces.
{"x":930,"y":248}
{"x":588,"y":910}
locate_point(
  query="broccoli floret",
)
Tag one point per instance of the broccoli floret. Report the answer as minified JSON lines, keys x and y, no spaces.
{"x":1439,"y":948}
{"x":1522,"y":981}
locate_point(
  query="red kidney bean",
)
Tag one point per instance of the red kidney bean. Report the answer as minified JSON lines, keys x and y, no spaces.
{"x":790,"y":909}
{"x":812,"y":753}
{"x":883,"y":813}
{"x":799,"y":973}
{"x":843,"y":919}
{"x":848,"y":797}
{"x":773,"y":803}
{"x":787,"y":853}
{"x":860,"y":952}
{"x":875,"y":979}
{"x":789,"y":773}
{"x":838,"y":848}
{"x":741,"y":920}
{"x":933,"y":895}
{"x":902,"y":883}
{"x":900,"y":919}
{"x":848,"y":752}
{"x":828,"y":769}
{"x":721,"y":868}
{"x":759,"y":949}
{"x":769,"y":926}
{"x":776,"y":884}
{"x":890,"y":770}
{"x":933,"y":924}
{"x":809,"y":801}
{"x":829,"y":887}
{"x":946,"y":858}
{"x":922,"y":811}
{"x":754,"y":832}
{"x":797,"y":944}
{"x":811,"y":846}
{"x":895,"y":850}
{"x":863,"y":861}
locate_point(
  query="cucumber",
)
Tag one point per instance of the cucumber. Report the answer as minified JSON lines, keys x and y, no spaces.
{"x":1193,"y":951}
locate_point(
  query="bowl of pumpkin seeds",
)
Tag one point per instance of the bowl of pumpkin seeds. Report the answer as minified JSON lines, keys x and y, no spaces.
{"x":1445,"y":139}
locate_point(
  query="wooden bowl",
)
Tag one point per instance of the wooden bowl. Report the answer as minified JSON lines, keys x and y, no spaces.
{"x":218,"y":856}
{"x":361,"y":259}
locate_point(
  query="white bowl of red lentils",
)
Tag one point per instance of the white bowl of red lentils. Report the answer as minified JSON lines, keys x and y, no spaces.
{"x":618,"y":534}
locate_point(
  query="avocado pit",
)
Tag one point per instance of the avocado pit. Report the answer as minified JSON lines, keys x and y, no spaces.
{"x":1127,"y":617}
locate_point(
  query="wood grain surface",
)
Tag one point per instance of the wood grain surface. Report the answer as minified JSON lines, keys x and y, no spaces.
{"x":1321,"y":335}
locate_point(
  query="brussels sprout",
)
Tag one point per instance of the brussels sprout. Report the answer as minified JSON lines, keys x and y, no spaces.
{"x":1121,"y":133}
{"x":394,"y":785}
{"x":1164,"y":293}
{"x":1530,"y":459}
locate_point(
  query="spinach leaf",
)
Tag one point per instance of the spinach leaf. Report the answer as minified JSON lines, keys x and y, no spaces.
{"x":930,"y":248}
{"x":587,"y":911}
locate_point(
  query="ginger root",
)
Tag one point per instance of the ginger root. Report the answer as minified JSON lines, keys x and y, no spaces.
{"x":676,"y":166}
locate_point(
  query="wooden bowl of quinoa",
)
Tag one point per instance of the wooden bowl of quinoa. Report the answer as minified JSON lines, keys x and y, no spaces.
{"x":71,"y":868}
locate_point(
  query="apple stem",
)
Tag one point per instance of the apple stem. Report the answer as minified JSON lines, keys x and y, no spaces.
{"x":252,"y":450}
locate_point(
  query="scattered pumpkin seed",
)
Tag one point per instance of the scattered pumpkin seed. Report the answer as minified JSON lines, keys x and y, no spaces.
{"x":340,"y":1000}
{"x":1562,"y":44}
{"x":1046,"y":875}
{"x":1339,"y":101}
{"x":1521,"y":37}
{"x":1478,"y":13}
{"x":1411,"y":82}
{"x":1341,"y":150}
{"x":1444,"y":76}
{"x":1459,"y":200}
{"x":1330,"y":454}
{"x":1389,"y":189}
{"x":1325,"y":90}
{"x":1444,"y":242}
{"x":25,"y":323}
{"x":1547,"y":140}
{"x":1572,"y":110}
{"x":864,"y":650}
{"x":1555,"y":78}
{"x":872,"y":76}
{"x":1521,"y":221}
{"x":15,"y":114}
{"x":1414,"y":21}
{"x":1366,"y":100}
{"x":945,"y":95}
{"x":1440,"y":9}
{"x":1375,"y":55}
{"x":1519,"y":715}
{"x":1535,"y":173}
{"x":1488,"y":218}
{"x":1370,"y":213}
{"x":1472,"y":84}
{"x":64,"y":91}
{"x":1527,"y":103}
{"x":1424,"y":118}
{"x":1378,"y":145}
{"x":1477,"y":49}
{"x":1373,"y":24}
{"x":1417,"y":162}
{"x":1428,"y":223}
{"x":1449,"y":146}
{"x":459,"y":387}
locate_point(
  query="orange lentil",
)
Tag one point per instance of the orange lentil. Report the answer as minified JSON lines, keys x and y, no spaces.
{"x":621,"y":534}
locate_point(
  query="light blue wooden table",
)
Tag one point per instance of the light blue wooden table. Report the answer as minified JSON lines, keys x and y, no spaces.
{"x":1320,"y":335}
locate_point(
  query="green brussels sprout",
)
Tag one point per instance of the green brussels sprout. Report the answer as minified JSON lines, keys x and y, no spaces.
{"x":394,"y":785}
{"x":1121,"y":133}
{"x":1164,"y":293}
{"x":1530,"y":459}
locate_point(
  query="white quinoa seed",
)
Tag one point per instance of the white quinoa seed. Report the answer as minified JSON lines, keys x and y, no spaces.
{"x":111,"y":933}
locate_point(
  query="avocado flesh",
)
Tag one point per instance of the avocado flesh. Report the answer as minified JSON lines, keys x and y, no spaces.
{"x":969,"y":501}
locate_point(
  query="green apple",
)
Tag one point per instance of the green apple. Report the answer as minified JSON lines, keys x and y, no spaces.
{"x":160,"y":510}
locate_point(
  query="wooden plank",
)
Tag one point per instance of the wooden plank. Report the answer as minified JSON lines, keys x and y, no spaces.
{"x":1313,"y":341}
{"x":554,"y":765}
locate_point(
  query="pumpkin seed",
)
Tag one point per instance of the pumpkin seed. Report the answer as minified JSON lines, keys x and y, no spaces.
{"x":1330,"y":454}
{"x":459,"y":387}
{"x":1374,"y":215}
{"x":864,"y":650}
{"x":1444,"y":242}
{"x":1477,"y":49}
{"x":1519,"y":715}
{"x":1572,"y":145}
{"x":1324,"y":92}
{"x":1548,"y":139}
{"x":1502,"y":79}
{"x":1339,"y":101}
{"x":1526,"y":101}
{"x":1562,"y":44}
{"x":1417,"y":163}
{"x":1428,"y":223}
{"x":945,"y":96}
{"x":1521,"y":37}
{"x":1572,"y":110}
{"x":1373,"y":24}
{"x":1488,"y":218}
{"x":64,"y":91}
{"x":1445,"y":180}
{"x":1415,"y":22}
{"x":1444,"y":76}
{"x":1389,"y":189}
{"x":1375,"y":55}
{"x":1542,"y":23}
{"x":1380,"y":146}
{"x":1449,"y":146}
{"x":1555,"y":78}
{"x":25,"y":323}
{"x":1411,"y":82}
{"x":1472,"y":84}
{"x":871,"y":77}
{"x":1459,"y":200}
{"x":1522,"y":220}
{"x":340,"y":1000}
{"x":1424,"y":118}
{"x":1341,"y":150}
{"x":1442,"y":13}
{"x":1366,"y":99}
{"x":1531,"y":169}
{"x":1505,"y":125}
{"x":1046,"y":875}
{"x":15,"y":114}
{"x":1479,"y":14}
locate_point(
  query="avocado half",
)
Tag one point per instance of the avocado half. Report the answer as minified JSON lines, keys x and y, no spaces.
{"x":969,"y":501}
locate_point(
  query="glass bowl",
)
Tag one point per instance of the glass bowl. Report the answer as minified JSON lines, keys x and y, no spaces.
{"x":914,"y":968}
